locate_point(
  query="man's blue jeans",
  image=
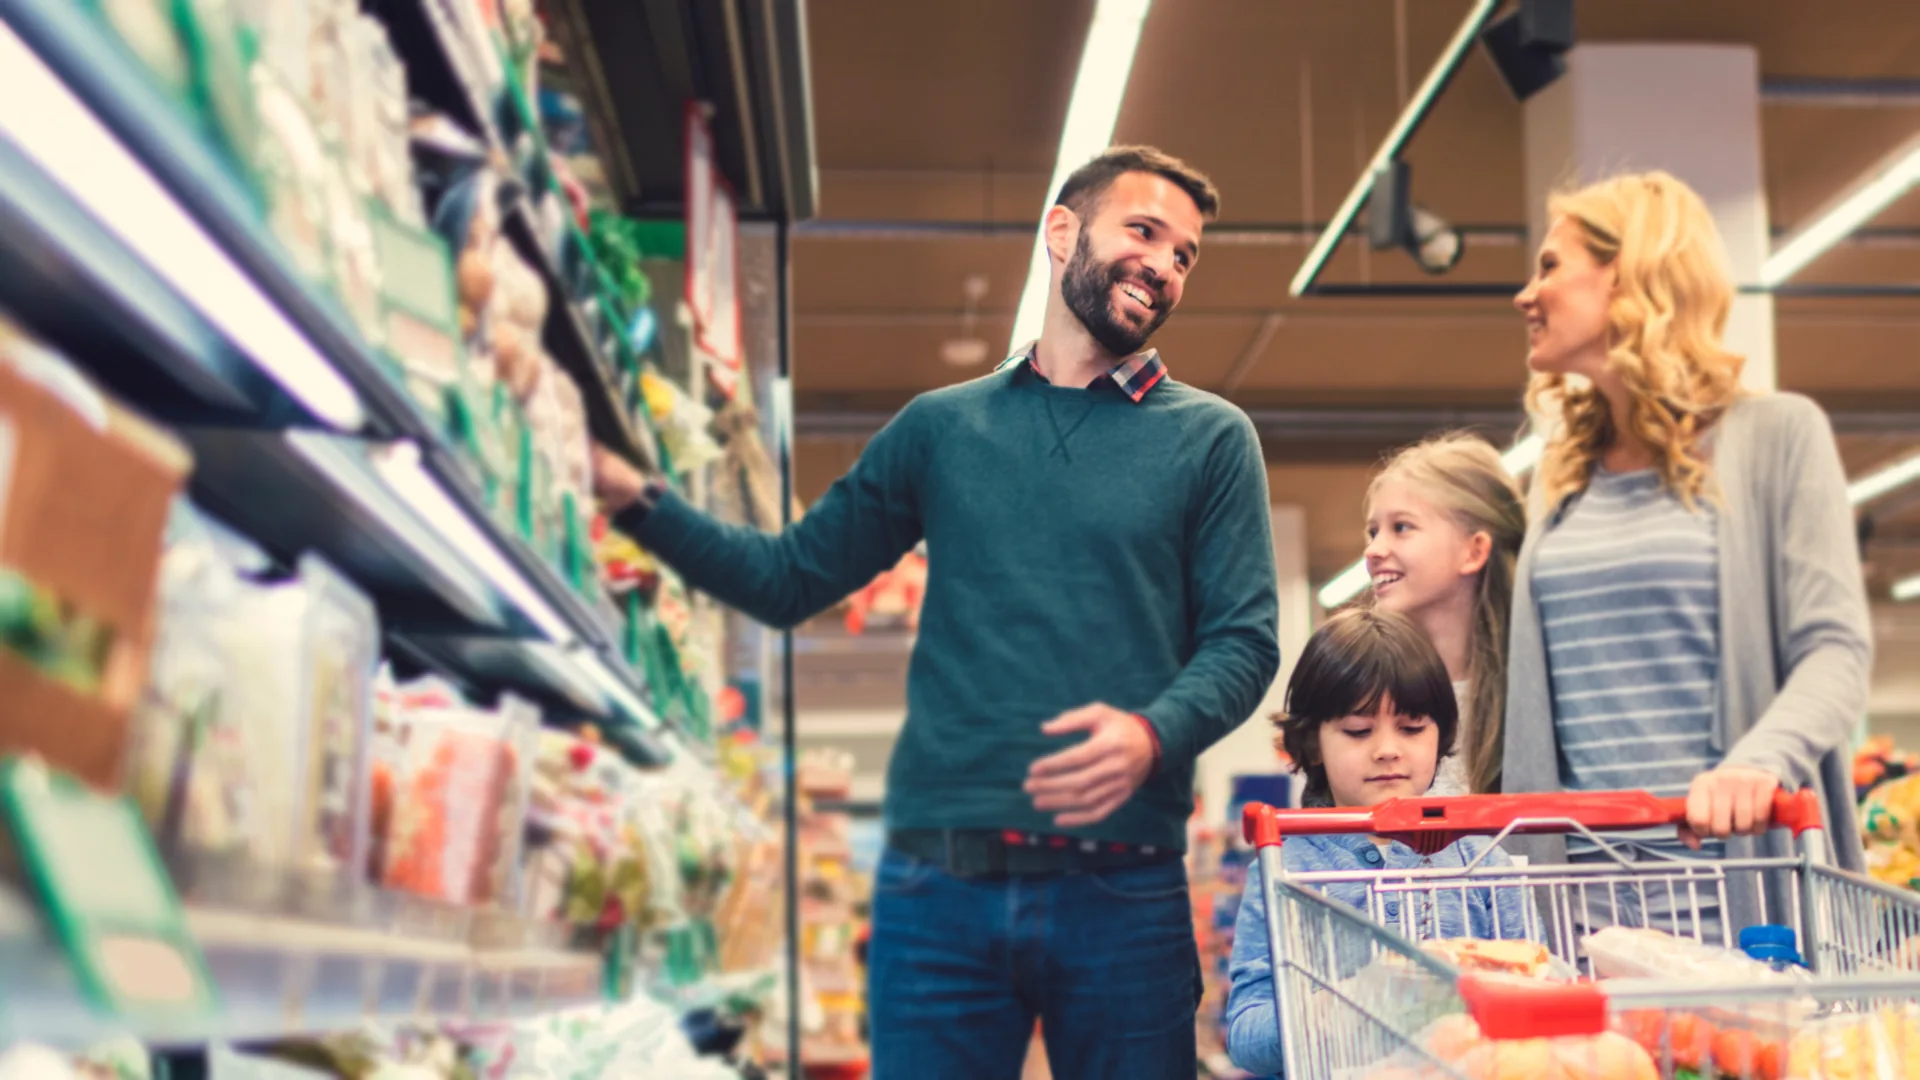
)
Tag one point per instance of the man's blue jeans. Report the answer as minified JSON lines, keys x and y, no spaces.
{"x":959,"y":969}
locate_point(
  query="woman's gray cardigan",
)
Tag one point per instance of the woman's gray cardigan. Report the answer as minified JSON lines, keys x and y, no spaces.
{"x":1796,"y":643}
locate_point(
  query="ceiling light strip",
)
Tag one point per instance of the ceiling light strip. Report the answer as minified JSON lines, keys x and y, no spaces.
{"x":1877,"y":189}
{"x":1519,"y":459}
{"x":52,"y":126}
{"x":1098,"y":88}
{"x":1403,"y":129}
{"x":1907,"y":588}
{"x":1885,"y":481}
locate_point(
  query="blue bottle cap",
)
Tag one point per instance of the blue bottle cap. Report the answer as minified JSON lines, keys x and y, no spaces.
{"x":1767,"y":941}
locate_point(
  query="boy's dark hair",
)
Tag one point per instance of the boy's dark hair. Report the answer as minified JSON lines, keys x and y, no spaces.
{"x":1355,"y":660}
{"x":1083,"y":189}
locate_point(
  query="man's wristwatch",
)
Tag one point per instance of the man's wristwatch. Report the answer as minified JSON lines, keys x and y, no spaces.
{"x":650,"y":495}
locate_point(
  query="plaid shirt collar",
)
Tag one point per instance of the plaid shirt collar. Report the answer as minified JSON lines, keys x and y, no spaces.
{"x":1135,"y":376}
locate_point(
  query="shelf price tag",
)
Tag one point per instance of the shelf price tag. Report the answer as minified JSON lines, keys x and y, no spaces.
{"x":107,"y":899}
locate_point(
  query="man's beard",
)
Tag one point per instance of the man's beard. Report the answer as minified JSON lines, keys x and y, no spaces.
{"x":1088,"y":290}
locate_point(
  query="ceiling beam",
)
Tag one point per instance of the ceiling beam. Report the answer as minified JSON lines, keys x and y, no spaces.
{"x":1239,"y":233}
{"x":1340,"y":424}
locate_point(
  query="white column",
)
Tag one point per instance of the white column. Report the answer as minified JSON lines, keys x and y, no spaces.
{"x":1693,"y":110}
{"x":1248,"y":749}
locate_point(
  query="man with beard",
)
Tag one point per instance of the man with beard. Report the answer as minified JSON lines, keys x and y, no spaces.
{"x":1099,"y":609}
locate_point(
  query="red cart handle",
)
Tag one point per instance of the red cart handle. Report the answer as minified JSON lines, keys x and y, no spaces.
{"x":1429,"y":824}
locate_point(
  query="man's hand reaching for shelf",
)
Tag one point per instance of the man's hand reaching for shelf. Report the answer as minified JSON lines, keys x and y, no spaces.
{"x":617,"y":483}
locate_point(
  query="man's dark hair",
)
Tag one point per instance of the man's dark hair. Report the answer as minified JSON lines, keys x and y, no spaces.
{"x":1359,"y":658}
{"x":1082,"y":191}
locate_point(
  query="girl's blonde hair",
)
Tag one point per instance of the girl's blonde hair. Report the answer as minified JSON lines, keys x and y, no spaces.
{"x":1461,"y":475}
{"x":1664,"y":330}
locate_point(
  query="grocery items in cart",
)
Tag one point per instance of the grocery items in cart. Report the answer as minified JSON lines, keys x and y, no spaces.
{"x":1647,"y":1001}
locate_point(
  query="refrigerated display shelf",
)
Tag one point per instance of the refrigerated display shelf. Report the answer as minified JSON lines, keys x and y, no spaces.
{"x":278,"y":975}
{"x":126,"y":241}
{"x":439,"y":73}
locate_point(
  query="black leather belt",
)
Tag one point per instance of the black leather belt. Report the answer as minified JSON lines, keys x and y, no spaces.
{"x":983,"y":853}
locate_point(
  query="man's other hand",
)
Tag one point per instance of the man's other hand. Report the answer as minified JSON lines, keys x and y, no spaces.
{"x":1085,"y":783}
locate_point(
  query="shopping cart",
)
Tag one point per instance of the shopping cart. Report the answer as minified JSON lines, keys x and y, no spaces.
{"x":1358,"y":996}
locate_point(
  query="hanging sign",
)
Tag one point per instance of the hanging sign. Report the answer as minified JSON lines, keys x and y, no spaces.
{"x":713,"y":233}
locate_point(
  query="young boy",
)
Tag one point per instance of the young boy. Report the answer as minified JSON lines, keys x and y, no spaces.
{"x":1369,"y":714}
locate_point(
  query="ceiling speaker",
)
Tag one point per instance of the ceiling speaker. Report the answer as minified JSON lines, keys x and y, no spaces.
{"x":1528,"y":47}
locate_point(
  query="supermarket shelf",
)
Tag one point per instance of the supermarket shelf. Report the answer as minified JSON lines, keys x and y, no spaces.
{"x":278,"y":975}
{"x":438,"y":74}
{"x":158,"y":336}
{"x":568,"y":340}
{"x":417,"y":536}
{"x":78,"y":104}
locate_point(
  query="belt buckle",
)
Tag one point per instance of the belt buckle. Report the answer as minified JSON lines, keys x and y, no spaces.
{"x":961,"y":844}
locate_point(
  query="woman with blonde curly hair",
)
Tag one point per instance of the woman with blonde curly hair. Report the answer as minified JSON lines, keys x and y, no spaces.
{"x":1689,"y":615}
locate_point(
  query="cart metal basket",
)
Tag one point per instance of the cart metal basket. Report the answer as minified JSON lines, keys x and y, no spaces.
{"x":1358,"y":996}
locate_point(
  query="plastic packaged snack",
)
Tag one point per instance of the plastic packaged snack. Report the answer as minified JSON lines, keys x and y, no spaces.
{"x":341,"y":650}
{"x":1524,"y":958}
{"x":1883,"y":1045}
{"x":1457,"y":1040}
{"x":459,"y":802}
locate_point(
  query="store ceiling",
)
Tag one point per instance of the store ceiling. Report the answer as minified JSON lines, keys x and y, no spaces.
{"x":936,"y":127}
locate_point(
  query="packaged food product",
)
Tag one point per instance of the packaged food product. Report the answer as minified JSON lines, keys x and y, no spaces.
{"x":1685,"y":1036}
{"x":1635,"y":952}
{"x":249,"y":750}
{"x":1883,"y":1045}
{"x":150,"y":30}
{"x":459,"y":802}
{"x":79,"y":599}
{"x":683,"y":422}
{"x":289,"y":160}
{"x":282,"y":33}
{"x":1525,"y":958}
{"x":1457,"y":1040}
{"x":340,"y":652}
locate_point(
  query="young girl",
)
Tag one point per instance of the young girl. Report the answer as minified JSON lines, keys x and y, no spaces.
{"x":1444,"y":525}
{"x":1369,"y":714}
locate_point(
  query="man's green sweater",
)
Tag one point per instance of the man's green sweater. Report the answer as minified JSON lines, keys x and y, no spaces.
{"x":1082,"y":547}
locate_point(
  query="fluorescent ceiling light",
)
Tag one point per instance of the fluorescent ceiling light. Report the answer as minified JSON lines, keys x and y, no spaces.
{"x":1345,"y":586}
{"x":399,"y":465}
{"x":1907,"y":588}
{"x":1091,"y":113}
{"x":1390,"y":147}
{"x":1522,"y":456}
{"x":1874,"y":485}
{"x":1519,"y":459}
{"x":1874,"y":192}
{"x":40,"y":115}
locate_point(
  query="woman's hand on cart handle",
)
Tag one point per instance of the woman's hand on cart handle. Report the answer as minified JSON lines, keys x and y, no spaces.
{"x":1422,"y":823}
{"x":1738,"y":800}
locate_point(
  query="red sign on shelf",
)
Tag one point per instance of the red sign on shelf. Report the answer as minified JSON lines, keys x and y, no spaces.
{"x":713,"y":232}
